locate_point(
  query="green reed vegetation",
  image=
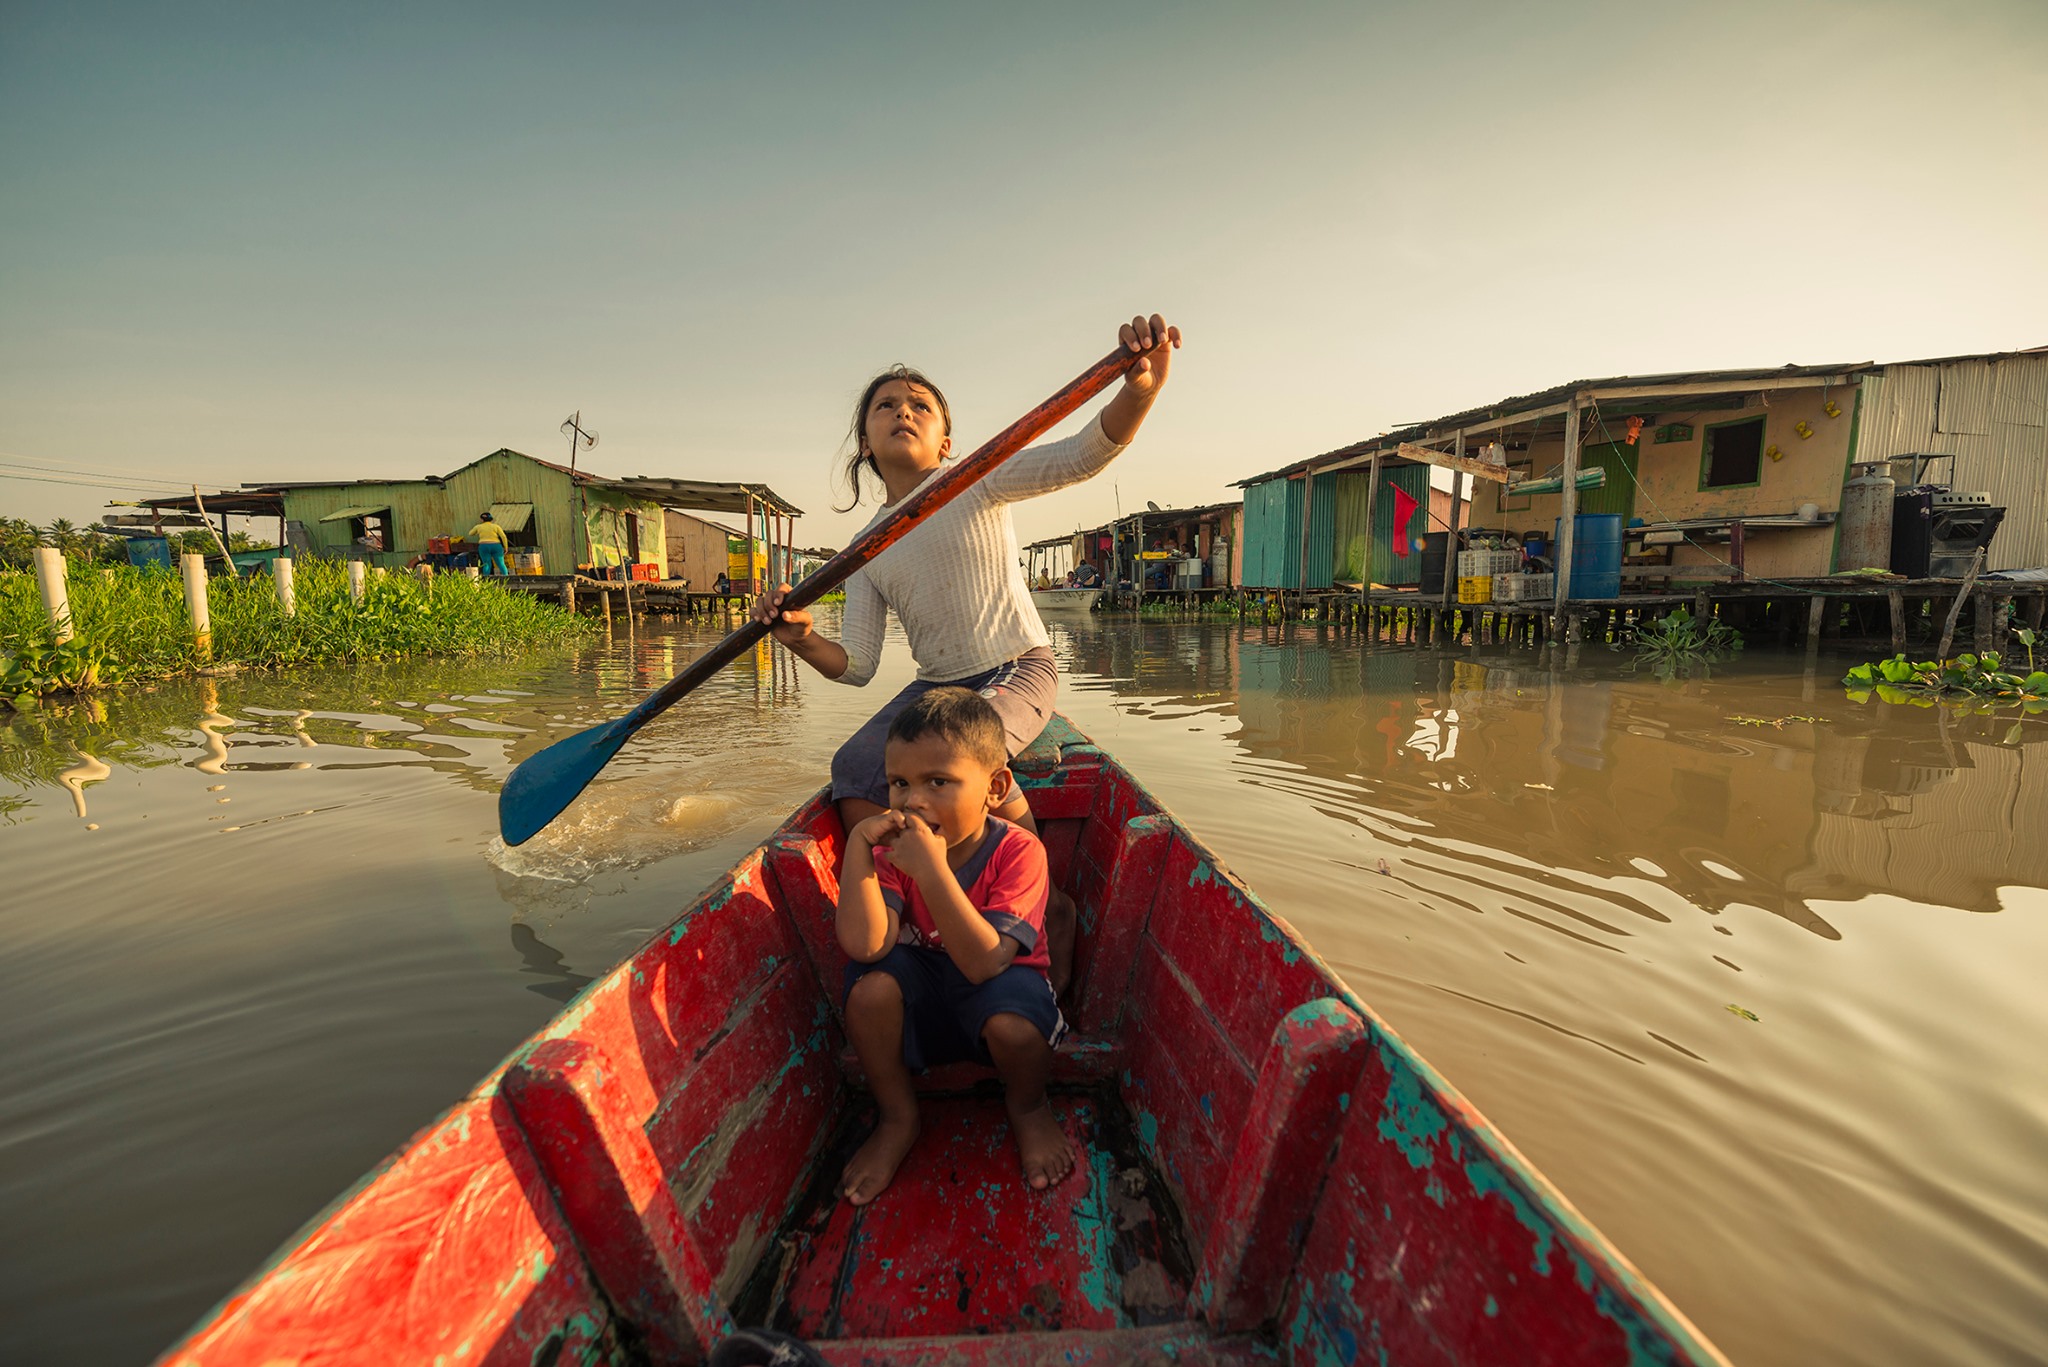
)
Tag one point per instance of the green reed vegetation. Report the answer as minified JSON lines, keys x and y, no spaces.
{"x":131,"y":624}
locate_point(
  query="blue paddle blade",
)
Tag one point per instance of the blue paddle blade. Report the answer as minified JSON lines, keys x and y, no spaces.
{"x":538,"y":790}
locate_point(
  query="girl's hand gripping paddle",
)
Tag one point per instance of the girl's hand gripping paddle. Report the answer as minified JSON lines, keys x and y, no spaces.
{"x":540,"y":788}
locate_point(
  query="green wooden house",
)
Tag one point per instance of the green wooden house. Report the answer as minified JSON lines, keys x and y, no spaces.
{"x":590,"y":521}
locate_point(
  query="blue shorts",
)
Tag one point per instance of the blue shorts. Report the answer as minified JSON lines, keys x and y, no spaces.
{"x":1022,"y":693}
{"x":943,"y":1012}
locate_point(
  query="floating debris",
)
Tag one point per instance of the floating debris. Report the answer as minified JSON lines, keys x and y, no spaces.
{"x":1540,"y":787}
{"x":1778,"y":722}
{"x":1746,"y":1015}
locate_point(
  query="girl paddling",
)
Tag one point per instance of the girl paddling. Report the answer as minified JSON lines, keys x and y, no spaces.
{"x":954,"y":582}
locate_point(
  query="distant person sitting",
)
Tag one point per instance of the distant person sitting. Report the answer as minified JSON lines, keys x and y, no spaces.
{"x":721,"y":585}
{"x":1044,"y":581}
{"x":489,"y":539}
{"x":1087,"y":576}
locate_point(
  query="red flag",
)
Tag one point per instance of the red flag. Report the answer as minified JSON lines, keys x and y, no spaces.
{"x":1404,"y":509}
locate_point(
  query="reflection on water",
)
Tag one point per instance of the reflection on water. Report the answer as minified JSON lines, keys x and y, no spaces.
{"x":562,"y":983}
{"x":1702,"y":947}
{"x":1719,"y":953}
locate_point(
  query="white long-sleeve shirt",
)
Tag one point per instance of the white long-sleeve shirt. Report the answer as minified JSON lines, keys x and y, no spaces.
{"x":955,"y":582}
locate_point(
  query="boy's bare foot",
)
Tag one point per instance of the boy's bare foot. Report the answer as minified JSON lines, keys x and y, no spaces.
{"x":1042,"y":1144}
{"x":874,"y":1165}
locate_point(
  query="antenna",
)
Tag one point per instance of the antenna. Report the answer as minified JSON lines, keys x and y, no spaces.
{"x":572,"y":427}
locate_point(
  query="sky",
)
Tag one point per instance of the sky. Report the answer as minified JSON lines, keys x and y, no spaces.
{"x":262,"y":242}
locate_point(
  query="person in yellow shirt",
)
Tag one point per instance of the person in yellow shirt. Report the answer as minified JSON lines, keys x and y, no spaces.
{"x":489,"y":539}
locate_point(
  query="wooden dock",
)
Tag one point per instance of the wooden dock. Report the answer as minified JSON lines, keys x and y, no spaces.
{"x":1901,"y":614}
{"x":633,"y":597}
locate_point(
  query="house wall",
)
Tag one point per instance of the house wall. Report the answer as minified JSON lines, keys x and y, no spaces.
{"x":1992,"y":415}
{"x":1667,"y":488}
{"x":698,"y":550}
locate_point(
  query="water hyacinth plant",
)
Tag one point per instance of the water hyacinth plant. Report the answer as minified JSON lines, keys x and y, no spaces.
{"x":131,"y":624}
{"x":1677,"y":639}
{"x":1982,"y":677}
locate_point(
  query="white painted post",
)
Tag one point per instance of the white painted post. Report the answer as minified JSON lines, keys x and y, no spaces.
{"x":355,"y":580}
{"x":194,"y":567}
{"x":379,"y":571}
{"x":281,"y":570}
{"x":50,"y":579}
{"x":473,"y":572}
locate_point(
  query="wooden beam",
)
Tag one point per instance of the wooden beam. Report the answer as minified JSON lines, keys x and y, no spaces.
{"x":1729,"y":386}
{"x":1457,"y":462}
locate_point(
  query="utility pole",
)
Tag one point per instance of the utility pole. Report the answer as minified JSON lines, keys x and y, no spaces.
{"x":572,"y":427}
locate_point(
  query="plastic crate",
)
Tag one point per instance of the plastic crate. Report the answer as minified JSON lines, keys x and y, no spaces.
{"x":1485,"y":564}
{"x":646,"y":573}
{"x":1524,"y":588}
{"x":1475,"y":589}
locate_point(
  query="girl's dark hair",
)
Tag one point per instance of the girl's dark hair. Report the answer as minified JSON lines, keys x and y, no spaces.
{"x":863,"y":459}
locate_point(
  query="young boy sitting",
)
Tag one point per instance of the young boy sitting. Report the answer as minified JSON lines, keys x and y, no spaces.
{"x":942,"y":909}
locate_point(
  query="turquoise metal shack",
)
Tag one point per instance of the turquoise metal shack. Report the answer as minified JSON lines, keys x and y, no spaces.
{"x":1308,"y":531}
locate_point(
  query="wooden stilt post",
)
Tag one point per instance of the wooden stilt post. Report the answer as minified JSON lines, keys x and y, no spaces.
{"x":1816,"y":606}
{"x":194,"y":569}
{"x":1955,"y":611}
{"x":1568,"y":509}
{"x":1451,"y":532}
{"x":287,"y":594}
{"x":56,"y":597}
{"x":1985,"y":640}
{"x":356,"y":576}
{"x":1897,"y":602}
{"x":1372,"y":498}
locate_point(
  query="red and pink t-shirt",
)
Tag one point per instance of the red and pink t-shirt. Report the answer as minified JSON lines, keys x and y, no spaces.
{"x":1005,"y":880}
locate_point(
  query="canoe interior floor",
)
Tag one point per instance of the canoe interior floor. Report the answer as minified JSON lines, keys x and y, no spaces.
{"x":961,"y":1244}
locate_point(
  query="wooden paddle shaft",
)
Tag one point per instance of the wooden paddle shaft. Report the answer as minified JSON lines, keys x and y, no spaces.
{"x":928,"y":499}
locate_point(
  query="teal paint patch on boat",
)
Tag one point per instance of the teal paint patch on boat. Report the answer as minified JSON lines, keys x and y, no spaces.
{"x":1092,"y":1223}
{"x":1492,"y":1308}
{"x":711,"y":905}
{"x":1487,"y":1180}
{"x":1646,"y":1348}
{"x":1148,"y":1130}
{"x":1272,"y":935}
{"x":1409,"y":1118}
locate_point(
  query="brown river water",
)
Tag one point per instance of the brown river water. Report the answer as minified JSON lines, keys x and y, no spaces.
{"x":1762,"y":996}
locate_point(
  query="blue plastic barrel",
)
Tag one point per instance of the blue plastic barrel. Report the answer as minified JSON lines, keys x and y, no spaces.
{"x":1596,"y":554}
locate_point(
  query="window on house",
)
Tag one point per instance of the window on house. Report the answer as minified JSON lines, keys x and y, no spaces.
{"x":370,"y":532}
{"x":1733,"y":454}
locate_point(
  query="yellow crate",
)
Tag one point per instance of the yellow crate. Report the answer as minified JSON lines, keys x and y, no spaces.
{"x":1478,"y":589}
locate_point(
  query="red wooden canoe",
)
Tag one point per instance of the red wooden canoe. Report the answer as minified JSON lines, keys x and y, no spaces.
{"x":1270,"y":1175}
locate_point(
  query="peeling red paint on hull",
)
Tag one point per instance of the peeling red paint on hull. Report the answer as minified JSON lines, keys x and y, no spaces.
{"x":1268,"y":1173}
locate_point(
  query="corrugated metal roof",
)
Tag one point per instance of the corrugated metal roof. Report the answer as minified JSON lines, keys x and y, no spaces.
{"x":1649,"y":384}
{"x":513,"y":517}
{"x":343,"y":514}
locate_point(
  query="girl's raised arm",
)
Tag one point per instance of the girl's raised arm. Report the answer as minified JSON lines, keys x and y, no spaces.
{"x":1057,"y":464}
